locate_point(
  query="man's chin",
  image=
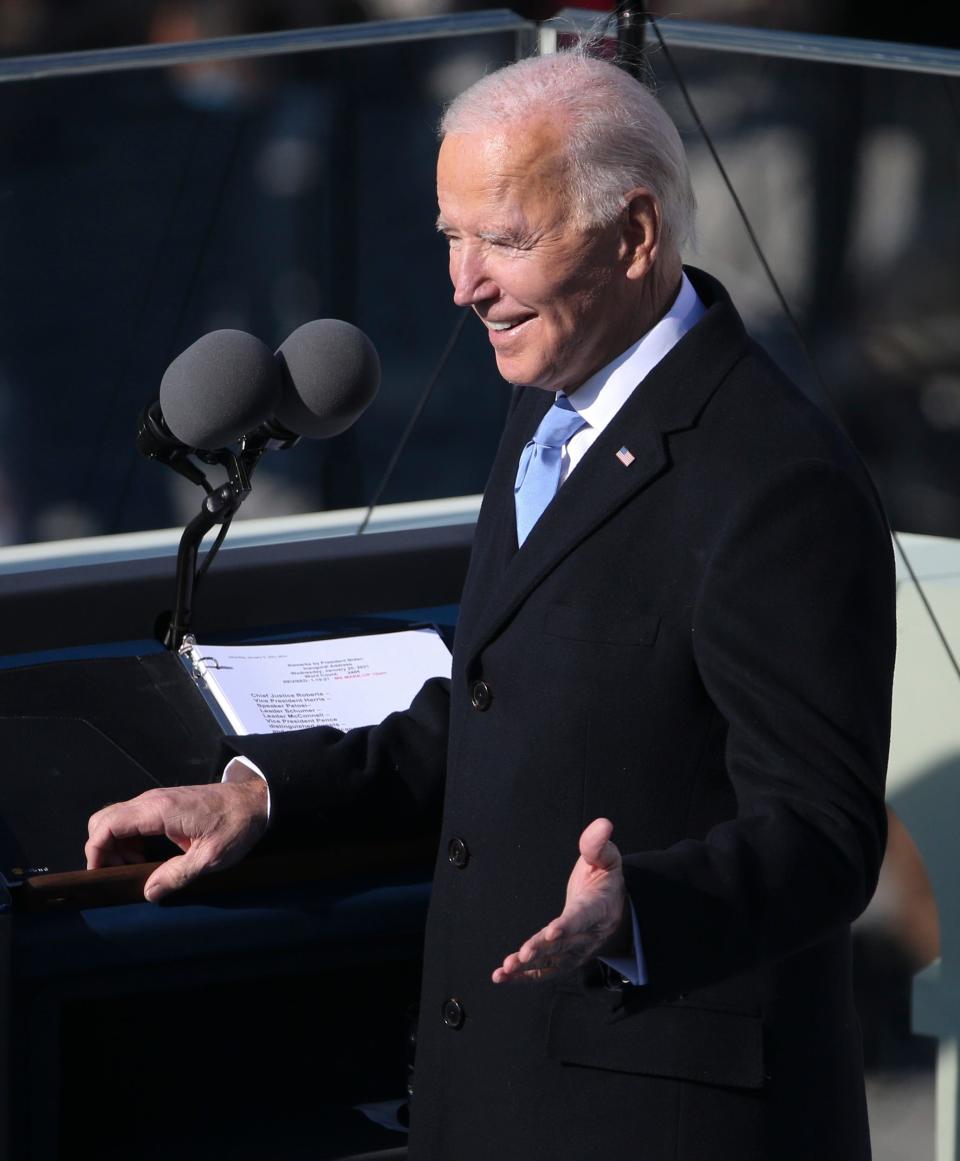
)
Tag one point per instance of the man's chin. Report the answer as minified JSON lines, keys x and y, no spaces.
{"x":513,"y":373}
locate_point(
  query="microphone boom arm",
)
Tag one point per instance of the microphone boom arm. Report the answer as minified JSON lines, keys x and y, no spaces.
{"x":219,"y":506}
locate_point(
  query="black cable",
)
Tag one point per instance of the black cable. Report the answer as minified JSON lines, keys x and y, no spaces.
{"x":796,"y":326}
{"x":414,"y":418}
{"x":926,"y":604}
{"x":754,"y":241}
{"x":135,"y":329}
{"x":212,"y":551}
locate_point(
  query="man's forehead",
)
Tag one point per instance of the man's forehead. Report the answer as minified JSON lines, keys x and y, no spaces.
{"x":528,"y":157}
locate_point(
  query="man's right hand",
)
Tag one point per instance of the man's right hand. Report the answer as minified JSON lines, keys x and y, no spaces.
{"x":214,"y":826}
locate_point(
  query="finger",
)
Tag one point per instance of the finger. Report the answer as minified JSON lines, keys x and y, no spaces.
{"x":100,"y":849}
{"x":542,"y":966}
{"x":501,"y":976}
{"x":178,"y":871}
{"x":512,"y":971}
{"x":575,"y":929}
{"x":109,"y":828}
{"x":131,"y":854}
{"x":513,"y":965}
{"x":106,"y":851}
{"x":97,"y":857}
{"x":596,"y":847}
{"x":539,"y":957}
{"x":141,"y":815}
{"x":546,"y":941}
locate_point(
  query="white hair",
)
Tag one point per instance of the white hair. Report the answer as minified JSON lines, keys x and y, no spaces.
{"x":620,"y":137}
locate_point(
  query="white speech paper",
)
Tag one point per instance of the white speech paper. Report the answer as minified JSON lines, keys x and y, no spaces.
{"x":344,"y":682}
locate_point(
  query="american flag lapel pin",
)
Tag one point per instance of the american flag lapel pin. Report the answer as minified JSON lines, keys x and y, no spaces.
{"x":626,"y":456}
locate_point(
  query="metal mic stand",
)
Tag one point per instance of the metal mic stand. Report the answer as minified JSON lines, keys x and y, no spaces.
{"x":219,"y":507}
{"x":631,"y":23}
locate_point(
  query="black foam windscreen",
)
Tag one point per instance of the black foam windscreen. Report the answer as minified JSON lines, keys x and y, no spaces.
{"x":331,"y":372}
{"x":219,"y":388}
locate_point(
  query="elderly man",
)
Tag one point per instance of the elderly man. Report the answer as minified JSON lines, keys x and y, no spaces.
{"x":678,"y":622}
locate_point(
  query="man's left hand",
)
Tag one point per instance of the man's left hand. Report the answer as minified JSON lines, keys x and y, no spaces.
{"x":595,"y":918}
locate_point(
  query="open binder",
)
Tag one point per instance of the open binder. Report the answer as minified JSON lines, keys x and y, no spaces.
{"x":341,"y":682}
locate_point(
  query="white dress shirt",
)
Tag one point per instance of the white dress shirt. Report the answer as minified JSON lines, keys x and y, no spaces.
{"x":604,"y":393}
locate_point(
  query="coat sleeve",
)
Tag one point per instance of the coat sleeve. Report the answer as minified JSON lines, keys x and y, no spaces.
{"x":390,"y":771}
{"x":794,"y":638}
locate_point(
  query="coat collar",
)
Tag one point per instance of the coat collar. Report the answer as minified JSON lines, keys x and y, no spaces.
{"x":670,"y":399}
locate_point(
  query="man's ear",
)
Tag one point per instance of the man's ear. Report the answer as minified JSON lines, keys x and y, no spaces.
{"x":640,"y":235}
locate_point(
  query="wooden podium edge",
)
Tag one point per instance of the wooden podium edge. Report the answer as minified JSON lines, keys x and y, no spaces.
{"x":111,"y":886}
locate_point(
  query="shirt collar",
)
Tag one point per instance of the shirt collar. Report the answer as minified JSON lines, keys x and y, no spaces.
{"x":600,"y":398}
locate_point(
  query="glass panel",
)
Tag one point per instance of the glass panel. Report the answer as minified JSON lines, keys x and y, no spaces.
{"x":849,"y":178}
{"x":141,"y":209}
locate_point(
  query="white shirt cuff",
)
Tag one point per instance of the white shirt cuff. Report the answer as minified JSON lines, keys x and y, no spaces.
{"x":633,"y":968}
{"x":242,"y":770}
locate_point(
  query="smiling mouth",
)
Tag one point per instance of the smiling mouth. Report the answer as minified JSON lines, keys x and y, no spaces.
{"x":500,"y":327}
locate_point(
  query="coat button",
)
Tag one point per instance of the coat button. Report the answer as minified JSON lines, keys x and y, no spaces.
{"x":458,"y":853}
{"x":453,"y":1014}
{"x":480,"y":696}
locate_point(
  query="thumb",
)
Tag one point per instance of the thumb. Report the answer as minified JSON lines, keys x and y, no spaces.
{"x":175,"y":873}
{"x":596,"y":847}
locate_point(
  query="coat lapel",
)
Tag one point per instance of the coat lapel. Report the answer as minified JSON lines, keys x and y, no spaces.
{"x":670,"y":399}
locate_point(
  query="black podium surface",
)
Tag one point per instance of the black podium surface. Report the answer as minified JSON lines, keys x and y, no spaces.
{"x":81,"y":734}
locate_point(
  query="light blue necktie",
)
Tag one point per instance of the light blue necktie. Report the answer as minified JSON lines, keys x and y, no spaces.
{"x":538,"y":476}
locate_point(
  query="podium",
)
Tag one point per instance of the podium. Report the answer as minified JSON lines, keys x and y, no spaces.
{"x":118,"y":1014}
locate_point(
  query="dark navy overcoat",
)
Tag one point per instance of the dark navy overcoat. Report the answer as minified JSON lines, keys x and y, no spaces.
{"x":698,"y":645}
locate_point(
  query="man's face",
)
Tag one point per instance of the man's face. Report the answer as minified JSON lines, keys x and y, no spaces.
{"x":552,"y":295}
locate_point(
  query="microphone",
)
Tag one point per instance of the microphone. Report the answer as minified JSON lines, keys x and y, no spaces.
{"x":228,"y":386}
{"x":330,"y":373}
{"x":218,"y":389}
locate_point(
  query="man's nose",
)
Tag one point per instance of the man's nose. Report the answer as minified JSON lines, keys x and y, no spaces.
{"x":471,"y":281}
